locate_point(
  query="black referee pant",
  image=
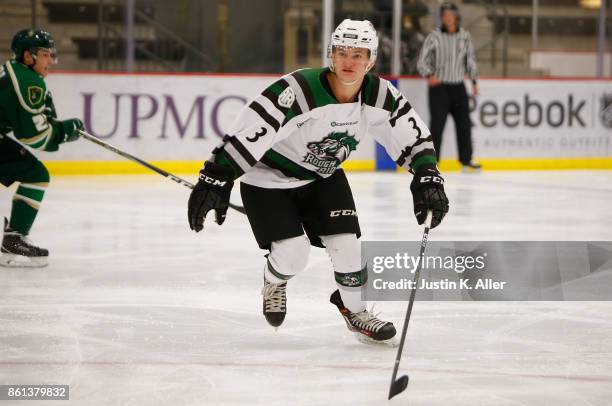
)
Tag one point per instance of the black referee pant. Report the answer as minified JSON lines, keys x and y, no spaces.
{"x":451,"y":98}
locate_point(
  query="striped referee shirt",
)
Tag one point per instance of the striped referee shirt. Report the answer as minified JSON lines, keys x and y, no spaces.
{"x":448,"y":56}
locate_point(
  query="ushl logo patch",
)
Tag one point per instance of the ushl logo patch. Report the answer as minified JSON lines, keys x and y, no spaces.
{"x":286,"y":98}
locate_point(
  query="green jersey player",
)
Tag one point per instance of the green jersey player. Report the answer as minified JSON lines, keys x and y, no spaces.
{"x":27,"y":111}
{"x":287,"y":146}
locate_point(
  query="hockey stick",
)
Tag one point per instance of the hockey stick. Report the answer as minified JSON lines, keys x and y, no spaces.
{"x":154,"y":168}
{"x":399,"y":385}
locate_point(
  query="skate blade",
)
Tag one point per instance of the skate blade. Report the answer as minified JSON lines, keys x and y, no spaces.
{"x":19,"y":261}
{"x":391,"y":342}
{"x":470,"y":170}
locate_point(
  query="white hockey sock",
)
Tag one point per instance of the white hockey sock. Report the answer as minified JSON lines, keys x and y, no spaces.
{"x":287,"y":258}
{"x":345,"y":253}
{"x":352,"y":299}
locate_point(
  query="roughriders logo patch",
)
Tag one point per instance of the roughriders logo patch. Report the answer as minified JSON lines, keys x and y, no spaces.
{"x":606,"y":110}
{"x":328,"y":153}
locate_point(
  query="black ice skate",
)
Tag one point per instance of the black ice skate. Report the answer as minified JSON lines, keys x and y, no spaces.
{"x":274,"y":302}
{"x":366,"y":326}
{"x":18,"y":252}
{"x":472,"y":167}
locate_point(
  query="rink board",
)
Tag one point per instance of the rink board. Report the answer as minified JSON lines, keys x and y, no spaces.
{"x":178,"y":119}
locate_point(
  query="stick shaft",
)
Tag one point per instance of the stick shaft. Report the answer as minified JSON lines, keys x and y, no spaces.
{"x":146,"y":164}
{"x":417,"y":274}
{"x":131,"y":157}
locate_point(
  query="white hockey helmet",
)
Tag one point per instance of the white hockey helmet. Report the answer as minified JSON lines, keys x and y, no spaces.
{"x":357,"y":34}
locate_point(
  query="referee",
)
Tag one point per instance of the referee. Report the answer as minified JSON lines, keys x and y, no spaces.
{"x":446,"y":58}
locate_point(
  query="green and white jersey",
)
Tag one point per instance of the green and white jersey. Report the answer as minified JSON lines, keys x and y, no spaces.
{"x":296,"y":131}
{"x":26,"y":106}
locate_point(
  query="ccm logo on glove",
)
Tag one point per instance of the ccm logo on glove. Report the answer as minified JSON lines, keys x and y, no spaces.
{"x":212,"y":181}
{"x":433,"y":178}
{"x":346,"y":212}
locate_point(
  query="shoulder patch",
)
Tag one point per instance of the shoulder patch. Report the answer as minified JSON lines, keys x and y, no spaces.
{"x":394,"y":91}
{"x":29,"y":88}
{"x":35,"y":95}
{"x":286,"y":98}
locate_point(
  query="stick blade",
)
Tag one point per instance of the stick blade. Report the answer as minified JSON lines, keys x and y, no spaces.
{"x":398,"y":386}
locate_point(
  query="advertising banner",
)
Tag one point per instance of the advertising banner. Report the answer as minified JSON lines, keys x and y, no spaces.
{"x":156,"y":117}
{"x":522,"y":118}
{"x":183,"y":117}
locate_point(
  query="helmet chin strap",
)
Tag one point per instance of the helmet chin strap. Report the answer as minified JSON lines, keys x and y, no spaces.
{"x":347,"y":83}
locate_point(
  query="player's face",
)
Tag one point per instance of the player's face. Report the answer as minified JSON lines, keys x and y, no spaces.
{"x":449,"y":19}
{"x":350,"y":64}
{"x":44,"y":61}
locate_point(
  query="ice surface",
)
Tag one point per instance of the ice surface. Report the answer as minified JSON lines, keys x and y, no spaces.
{"x":136,"y":309}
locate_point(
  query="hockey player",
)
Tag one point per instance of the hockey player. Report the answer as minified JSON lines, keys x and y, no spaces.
{"x":27,"y":110}
{"x":287,"y":146}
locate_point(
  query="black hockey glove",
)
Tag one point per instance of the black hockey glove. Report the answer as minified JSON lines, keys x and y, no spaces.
{"x":212,"y":192}
{"x":428,"y":194}
{"x":70,"y":130}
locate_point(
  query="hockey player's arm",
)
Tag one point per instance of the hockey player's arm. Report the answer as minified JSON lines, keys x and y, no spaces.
{"x":33,"y":114}
{"x":50,"y":110}
{"x":254,"y":132}
{"x":256,"y":129}
{"x":39,"y":131}
{"x":405,"y":135}
{"x":408,"y":141}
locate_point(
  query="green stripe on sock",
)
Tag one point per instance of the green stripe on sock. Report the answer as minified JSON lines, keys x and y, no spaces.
{"x":278,"y":274}
{"x":33,"y":194}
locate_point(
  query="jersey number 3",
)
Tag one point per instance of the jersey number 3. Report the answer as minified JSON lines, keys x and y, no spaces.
{"x":258,"y":135}
{"x":412,"y":121}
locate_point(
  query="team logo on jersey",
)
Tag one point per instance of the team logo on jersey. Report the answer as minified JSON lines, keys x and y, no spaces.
{"x":328,"y":153}
{"x":35,"y":94}
{"x":606,"y":110}
{"x":286,"y":98}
